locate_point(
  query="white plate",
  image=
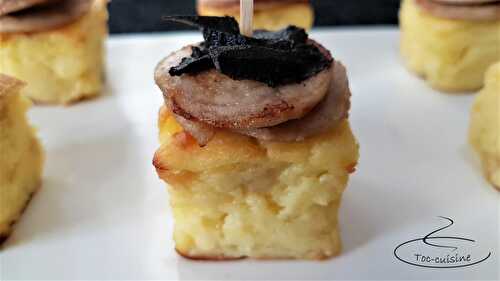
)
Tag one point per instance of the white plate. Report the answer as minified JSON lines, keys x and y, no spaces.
{"x":103,"y":213}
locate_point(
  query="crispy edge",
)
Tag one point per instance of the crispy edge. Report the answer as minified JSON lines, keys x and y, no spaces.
{"x":6,"y":235}
{"x":222,"y":258}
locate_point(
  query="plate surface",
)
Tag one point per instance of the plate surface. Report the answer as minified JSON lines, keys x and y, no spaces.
{"x":103,"y":213}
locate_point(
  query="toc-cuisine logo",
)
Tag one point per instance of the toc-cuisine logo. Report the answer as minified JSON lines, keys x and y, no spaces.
{"x":441,"y":251}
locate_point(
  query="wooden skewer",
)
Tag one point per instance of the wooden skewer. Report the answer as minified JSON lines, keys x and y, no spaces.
{"x":246,"y":17}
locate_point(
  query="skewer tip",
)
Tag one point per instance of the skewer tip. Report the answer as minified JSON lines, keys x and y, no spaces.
{"x":246,"y":17}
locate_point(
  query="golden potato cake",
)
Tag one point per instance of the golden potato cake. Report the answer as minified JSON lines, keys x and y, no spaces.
{"x":484,"y":133}
{"x":21,"y":156}
{"x":451,"y":54}
{"x":241,"y":197}
{"x":270,"y":15}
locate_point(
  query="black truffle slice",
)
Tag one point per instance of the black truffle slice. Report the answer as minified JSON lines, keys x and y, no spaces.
{"x":199,"y":61}
{"x":291,"y":33}
{"x":271,"y":66}
{"x":274,"y":58}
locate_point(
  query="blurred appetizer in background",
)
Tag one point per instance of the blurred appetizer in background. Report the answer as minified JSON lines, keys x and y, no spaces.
{"x":450,"y":43}
{"x":21,"y":157}
{"x":54,"y":45}
{"x":256,"y":145}
{"x":268,"y":14}
{"x":484,"y":134}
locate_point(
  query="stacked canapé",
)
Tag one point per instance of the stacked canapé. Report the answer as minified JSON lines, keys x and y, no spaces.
{"x":255,"y":143}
